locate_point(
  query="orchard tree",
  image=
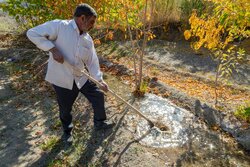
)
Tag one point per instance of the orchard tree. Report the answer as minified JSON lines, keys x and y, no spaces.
{"x":124,"y":15}
{"x":217,"y":31}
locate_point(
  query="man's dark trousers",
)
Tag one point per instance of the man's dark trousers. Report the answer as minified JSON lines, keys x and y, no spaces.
{"x":66,"y":98}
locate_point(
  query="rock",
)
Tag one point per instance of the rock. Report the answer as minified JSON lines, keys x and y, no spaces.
{"x":197,"y":108}
{"x":211,"y":116}
{"x":107,"y":64}
{"x":192,"y":69}
{"x":230,"y":124}
{"x":243,"y":137}
{"x":12,"y":59}
{"x":122,"y":70}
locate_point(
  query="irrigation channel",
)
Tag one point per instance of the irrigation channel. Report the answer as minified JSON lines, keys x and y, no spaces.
{"x":186,"y":137}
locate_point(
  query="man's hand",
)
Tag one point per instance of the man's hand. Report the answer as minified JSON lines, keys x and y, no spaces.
{"x":104,"y":86}
{"x":57,"y":55}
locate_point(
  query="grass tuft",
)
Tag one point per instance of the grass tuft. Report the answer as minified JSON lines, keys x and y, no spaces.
{"x":243,"y":112}
{"x":49,"y":144}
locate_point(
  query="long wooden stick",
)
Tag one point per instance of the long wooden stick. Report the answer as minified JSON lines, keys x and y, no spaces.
{"x":110,"y":91}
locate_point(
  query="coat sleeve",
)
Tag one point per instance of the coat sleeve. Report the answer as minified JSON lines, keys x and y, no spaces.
{"x":43,"y":35}
{"x":93,"y":65}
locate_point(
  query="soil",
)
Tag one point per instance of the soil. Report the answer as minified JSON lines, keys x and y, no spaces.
{"x":177,"y":65}
{"x":30,"y":129}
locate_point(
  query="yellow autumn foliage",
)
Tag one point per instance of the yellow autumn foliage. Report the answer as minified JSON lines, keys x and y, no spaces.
{"x":230,"y":16}
{"x":215,"y":30}
{"x":187,"y":34}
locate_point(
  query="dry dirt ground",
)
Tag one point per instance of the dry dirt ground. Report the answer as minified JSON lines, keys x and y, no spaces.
{"x":30,"y":129}
{"x":176,"y":64}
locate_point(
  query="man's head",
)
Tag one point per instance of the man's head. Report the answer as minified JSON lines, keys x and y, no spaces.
{"x":85,"y":17}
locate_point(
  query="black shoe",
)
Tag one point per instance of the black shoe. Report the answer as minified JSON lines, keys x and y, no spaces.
{"x":103,"y":125}
{"x":67,"y":138}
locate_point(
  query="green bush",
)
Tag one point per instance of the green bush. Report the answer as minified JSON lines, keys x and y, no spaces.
{"x":243,"y":112}
{"x":28,"y":13}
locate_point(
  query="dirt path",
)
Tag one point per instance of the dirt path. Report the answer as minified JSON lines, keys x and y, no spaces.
{"x":25,"y":119}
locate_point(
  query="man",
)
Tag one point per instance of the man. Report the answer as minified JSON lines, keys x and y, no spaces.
{"x":69,"y":43}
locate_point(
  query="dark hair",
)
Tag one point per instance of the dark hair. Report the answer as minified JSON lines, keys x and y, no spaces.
{"x":84,"y":9}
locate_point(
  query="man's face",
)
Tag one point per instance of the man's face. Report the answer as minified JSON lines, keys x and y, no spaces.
{"x":87,"y":23}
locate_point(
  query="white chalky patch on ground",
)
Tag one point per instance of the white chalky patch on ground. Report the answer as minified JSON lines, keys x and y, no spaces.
{"x":175,"y":118}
